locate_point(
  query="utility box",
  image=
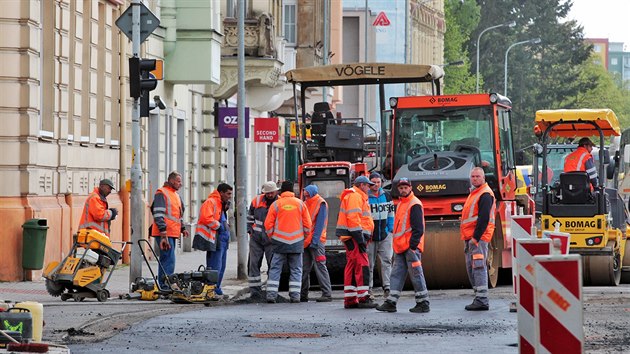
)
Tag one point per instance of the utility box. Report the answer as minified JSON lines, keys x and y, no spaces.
{"x":34,"y":243}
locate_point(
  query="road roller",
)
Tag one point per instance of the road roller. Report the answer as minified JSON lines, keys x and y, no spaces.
{"x":594,"y":216}
{"x":435,"y":142}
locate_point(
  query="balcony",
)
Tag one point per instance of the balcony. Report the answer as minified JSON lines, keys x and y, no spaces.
{"x":263,"y":67}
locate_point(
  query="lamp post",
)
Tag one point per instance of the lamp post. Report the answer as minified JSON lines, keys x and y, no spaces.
{"x":507,"y":24}
{"x":532,"y":41}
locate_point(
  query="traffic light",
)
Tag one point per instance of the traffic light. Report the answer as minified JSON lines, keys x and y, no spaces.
{"x":139,"y":79}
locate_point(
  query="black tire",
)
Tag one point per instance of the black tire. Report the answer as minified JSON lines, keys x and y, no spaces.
{"x":102,"y":295}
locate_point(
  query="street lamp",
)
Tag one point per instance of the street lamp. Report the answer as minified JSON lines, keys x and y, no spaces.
{"x":531,"y":41}
{"x":507,"y":24}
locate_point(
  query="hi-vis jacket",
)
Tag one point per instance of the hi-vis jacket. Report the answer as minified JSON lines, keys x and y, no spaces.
{"x":478,"y":214}
{"x":582,"y":160}
{"x":355,"y":220}
{"x":96,"y":214}
{"x":288,"y":224}
{"x":209,"y":218}
{"x":168,"y":211}
{"x":408,"y":225}
{"x":314,"y":205}
{"x":256,"y":216}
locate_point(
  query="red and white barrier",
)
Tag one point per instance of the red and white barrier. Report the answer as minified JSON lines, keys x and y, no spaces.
{"x":526,"y":250}
{"x":563,"y":237}
{"x":520,"y":226}
{"x":559,"y":318}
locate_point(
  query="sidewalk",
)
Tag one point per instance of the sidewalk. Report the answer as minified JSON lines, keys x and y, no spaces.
{"x":119,"y":282}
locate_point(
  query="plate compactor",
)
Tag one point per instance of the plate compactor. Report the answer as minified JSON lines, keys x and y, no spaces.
{"x":86,"y":270}
{"x":184,"y":288}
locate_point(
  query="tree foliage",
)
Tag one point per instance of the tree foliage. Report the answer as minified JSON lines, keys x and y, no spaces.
{"x":557,"y":73}
{"x":462,"y":18}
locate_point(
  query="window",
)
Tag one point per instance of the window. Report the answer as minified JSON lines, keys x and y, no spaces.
{"x":597,"y":48}
{"x":232,"y":8}
{"x":505,"y":130}
{"x":290,"y":18}
{"x":613,"y":61}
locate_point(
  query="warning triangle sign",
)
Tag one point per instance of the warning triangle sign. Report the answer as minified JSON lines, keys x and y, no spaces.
{"x":381,"y":20}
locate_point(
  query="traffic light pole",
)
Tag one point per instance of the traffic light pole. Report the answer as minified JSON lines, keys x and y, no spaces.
{"x":137,"y":205}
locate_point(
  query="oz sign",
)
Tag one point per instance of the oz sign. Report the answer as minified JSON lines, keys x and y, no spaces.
{"x":228,"y":122}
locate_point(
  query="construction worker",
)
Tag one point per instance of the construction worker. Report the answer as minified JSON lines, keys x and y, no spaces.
{"x":382,"y":209}
{"x":408,"y":242}
{"x":477,"y":228}
{"x":168,"y":224}
{"x":96,"y":212}
{"x":314,"y":253}
{"x":288,"y":225}
{"x":582,"y":160}
{"x":208,"y":226}
{"x":354,"y":227}
{"x":259,"y":243}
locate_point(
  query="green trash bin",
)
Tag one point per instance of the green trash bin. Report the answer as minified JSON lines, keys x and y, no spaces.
{"x":34,"y":243}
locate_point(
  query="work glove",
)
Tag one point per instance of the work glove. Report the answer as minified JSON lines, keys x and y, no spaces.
{"x":413,"y":247}
{"x":114,"y":212}
{"x":314,"y":245}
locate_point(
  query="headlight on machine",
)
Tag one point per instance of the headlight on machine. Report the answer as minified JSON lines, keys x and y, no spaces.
{"x":458,"y":207}
{"x":310,"y":173}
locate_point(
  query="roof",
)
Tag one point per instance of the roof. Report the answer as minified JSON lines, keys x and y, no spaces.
{"x":573,"y":122}
{"x":363,"y":73}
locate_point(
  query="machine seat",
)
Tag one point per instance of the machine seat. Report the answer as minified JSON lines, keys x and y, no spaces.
{"x":575,"y":188}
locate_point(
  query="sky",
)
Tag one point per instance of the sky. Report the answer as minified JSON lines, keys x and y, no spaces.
{"x":603,"y":19}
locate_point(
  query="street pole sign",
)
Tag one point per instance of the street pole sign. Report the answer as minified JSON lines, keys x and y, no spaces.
{"x":148,"y":22}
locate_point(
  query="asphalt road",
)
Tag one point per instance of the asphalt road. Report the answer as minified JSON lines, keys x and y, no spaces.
{"x":238,"y":328}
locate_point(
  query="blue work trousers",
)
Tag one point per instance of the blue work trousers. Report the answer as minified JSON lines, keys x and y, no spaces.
{"x":295,"y":278}
{"x":167,"y":260}
{"x":216,"y":260}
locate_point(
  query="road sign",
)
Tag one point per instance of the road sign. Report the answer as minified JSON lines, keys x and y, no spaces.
{"x":148,"y":22}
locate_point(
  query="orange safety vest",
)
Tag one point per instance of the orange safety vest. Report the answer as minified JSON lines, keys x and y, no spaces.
{"x":471,"y":212}
{"x":209,"y":216}
{"x":576,"y":161}
{"x":172,"y":213}
{"x":288,"y":220}
{"x":95,"y":214}
{"x":313,"y":205}
{"x":354,"y":214}
{"x":402,"y":224}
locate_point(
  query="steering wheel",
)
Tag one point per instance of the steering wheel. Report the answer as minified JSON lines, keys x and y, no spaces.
{"x":417,"y":151}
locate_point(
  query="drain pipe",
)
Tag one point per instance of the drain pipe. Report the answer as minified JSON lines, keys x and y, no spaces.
{"x":168,"y":18}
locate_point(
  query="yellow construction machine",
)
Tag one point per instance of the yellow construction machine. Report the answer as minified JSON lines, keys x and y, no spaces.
{"x":86,"y":270}
{"x":595,"y":217}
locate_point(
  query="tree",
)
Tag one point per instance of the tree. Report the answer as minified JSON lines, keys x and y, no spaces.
{"x":461,"y":18}
{"x":544,"y":76}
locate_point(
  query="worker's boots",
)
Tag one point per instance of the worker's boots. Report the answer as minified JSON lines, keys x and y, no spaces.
{"x":477,"y":305}
{"x":387,"y":306}
{"x":324,"y":299}
{"x":420,"y":307}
